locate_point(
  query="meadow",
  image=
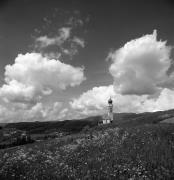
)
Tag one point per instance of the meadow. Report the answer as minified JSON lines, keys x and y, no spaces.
{"x":141,"y":152}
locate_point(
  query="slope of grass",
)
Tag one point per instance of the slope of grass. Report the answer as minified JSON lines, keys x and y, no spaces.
{"x":105,"y":152}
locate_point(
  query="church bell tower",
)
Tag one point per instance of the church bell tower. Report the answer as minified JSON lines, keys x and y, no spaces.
{"x":108,"y":117}
{"x":110,"y":110}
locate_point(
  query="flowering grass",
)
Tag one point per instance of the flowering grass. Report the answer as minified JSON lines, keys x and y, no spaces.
{"x":106,"y":152}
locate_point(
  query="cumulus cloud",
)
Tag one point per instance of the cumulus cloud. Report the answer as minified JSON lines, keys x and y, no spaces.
{"x":37,"y":112}
{"x":16,"y":91}
{"x":28,"y":81}
{"x":32,"y":76}
{"x":94,"y":102}
{"x":141,"y":65}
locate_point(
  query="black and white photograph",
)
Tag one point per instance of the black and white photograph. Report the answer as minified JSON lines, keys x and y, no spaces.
{"x":86,"y":89}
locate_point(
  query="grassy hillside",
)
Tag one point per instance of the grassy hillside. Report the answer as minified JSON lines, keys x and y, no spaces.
{"x":132,"y":119}
{"x":105,"y":152}
{"x":135,"y":146}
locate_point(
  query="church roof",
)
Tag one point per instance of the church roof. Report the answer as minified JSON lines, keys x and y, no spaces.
{"x":110,"y":101}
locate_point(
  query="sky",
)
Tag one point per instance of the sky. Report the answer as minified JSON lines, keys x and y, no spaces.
{"x":64,"y":59}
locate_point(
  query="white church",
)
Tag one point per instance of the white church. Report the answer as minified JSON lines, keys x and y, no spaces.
{"x":108,"y":117}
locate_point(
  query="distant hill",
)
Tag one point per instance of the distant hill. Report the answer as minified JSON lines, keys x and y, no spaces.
{"x":75,"y":126}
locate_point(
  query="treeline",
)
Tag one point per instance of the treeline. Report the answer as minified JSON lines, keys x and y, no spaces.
{"x":17,"y":142}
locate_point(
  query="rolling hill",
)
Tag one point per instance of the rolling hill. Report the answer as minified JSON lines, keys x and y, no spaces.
{"x":134,"y":146}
